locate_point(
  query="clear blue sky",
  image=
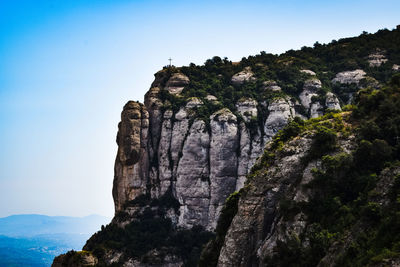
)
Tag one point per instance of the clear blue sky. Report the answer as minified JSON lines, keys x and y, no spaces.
{"x":68,"y":67}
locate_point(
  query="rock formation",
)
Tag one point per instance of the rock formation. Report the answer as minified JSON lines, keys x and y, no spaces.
{"x":245,"y":75}
{"x":166,"y":152}
{"x":377,"y":59}
{"x":183,"y":152}
{"x":271,"y":85}
{"x":332,"y":102}
{"x":176,"y":83}
{"x":348,"y":77}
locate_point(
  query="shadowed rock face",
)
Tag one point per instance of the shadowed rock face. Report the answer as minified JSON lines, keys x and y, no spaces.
{"x":176,"y":83}
{"x":259,"y":225}
{"x":254,"y":226}
{"x":132,"y":157}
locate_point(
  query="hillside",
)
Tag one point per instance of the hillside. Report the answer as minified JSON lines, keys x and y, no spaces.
{"x":324,"y":193}
{"x":197,"y":137}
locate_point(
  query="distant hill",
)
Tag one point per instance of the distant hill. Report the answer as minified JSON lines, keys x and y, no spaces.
{"x":28,"y":225}
{"x":34,"y":240}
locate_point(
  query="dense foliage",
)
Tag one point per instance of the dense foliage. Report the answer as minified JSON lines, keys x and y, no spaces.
{"x":150,"y":230}
{"x":326,"y":60}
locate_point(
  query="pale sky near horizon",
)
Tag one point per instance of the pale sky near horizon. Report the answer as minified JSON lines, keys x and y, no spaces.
{"x":68,"y":67}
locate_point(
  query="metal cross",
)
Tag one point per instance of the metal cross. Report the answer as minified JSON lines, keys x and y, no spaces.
{"x":170,"y":60}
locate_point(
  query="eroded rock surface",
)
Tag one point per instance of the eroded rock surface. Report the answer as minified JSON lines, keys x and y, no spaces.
{"x":310,"y":90}
{"x":132,"y":157}
{"x":332,"y":102}
{"x":280,"y":111}
{"x":247,"y":107}
{"x":377,"y":58}
{"x":246,"y":75}
{"x":271,"y":86}
{"x":176,"y":83}
{"x":259,"y":227}
{"x":348,"y":77}
{"x":165,"y":152}
{"x":223,"y":161}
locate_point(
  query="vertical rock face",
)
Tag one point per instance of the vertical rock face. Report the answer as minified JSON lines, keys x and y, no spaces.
{"x":247,"y":107}
{"x":169,"y":151}
{"x":253,"y":227}
{"x":260,"y":227}
{"x":223,"y":161}
{"x":132,"y":157}
{"x":251,"y":143}
{"x":309,"y":91}
{"x":193,"y":183}
{"x":280,"y":111}
{"x":176,"y":83}
{"x":332,"y":102}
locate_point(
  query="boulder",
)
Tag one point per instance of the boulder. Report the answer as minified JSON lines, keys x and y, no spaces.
{"x":246,"y":75}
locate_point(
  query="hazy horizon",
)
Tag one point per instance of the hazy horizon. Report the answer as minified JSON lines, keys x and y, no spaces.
{"x":68,"y":67}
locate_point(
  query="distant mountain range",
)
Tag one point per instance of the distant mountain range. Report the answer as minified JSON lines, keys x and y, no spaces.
{"x":34,"y":240}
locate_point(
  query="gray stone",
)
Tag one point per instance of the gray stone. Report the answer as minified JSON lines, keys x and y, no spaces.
{"x":310,"y":72}
{"x":223,"y":161}
{"x":246,"y":75}
{"x":177,"y":83}
{"x":271,"y":86}
{"x":280,"y":111}
{"x":349,"y":77}
{"x":377,"y":58}
{"x":332,"y":102}
{"x":310,"y":88}
{"x":192,"y":180}
{"x":247,"y":107}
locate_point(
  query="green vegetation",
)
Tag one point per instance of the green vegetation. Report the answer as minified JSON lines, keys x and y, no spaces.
{"x":214,"y":77}
{"x":347,"y":203}
{"x":347,"y":198}
{"x":148,"y":231}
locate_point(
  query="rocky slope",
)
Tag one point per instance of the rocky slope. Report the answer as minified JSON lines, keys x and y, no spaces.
{"x":325,"y":193}
{"x":200,"y":131}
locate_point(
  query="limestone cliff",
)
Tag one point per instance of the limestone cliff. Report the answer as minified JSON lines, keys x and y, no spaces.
{"x":194,"y":140}
{"x":200,"y":163}
{"x":319,"y":196}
